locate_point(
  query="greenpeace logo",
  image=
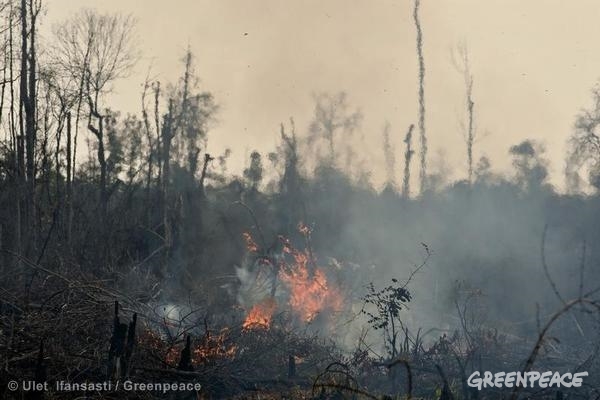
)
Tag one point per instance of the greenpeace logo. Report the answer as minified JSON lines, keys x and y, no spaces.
{"x":525,"y":379}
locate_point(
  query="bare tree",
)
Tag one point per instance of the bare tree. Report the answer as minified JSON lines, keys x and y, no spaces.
{"x":167,"y":134}
{"x":331,"y":119}
{"x":96,"y":49}
{"x":422,"y":135}
{"x":151,"y":141}
{"x":390,"y":157}
{"x":407,"y":158}
{"x":462,"y":65}
{"x":15,"y":140}
{"x":61,"y":91}
{"x":584,"y":146}
{"x":194,"y":111}
{"x":27,"y":113}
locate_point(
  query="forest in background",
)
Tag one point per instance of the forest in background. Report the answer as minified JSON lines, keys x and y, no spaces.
{"x":98,"y":206}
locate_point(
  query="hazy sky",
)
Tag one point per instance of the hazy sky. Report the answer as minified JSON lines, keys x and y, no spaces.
{"x":534,"y":63}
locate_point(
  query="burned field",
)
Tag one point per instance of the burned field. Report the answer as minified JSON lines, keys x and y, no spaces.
{"x":285,"y":326}
{"x":139,"y":261}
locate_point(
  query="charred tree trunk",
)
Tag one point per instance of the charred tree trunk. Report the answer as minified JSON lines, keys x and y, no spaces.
{"x":159,"y":155}
{"x":16,"y":148}
{"x":69,"y":184}
{"x":99,"y":133}
{"x":117,"y":346}
{"x":464,"y":68}
{"x":470,"y":125}
{"x":167,"y":136}
{"x":151,"y":154}
{"x":291,"y":367}
{"x":407,"y":158}
{"x":58,"y":191}
{"x":3,"y":84}
{"x":31,"y":131}
{"x":422,"y":135}
{"x":207,"y":160}
{"x":129,"y":346}
{"x":185,"y":362}
{"x":23,"y":117}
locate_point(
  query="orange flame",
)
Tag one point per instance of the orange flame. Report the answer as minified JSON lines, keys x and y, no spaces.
{"x":250,"y":243}
{"x":213,"y":347}
{"x":260,"y":315}
{"x":310,"y":294}
{"x":304,"y":229}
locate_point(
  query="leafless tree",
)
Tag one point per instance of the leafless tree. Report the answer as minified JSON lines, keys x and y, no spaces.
{"x":96,"y":49}
{"x":151,"y":140}
{"x":27,"y":140}
{"x":422,"y":135}
{"x":584,"y":145}
{"x":390,"y":157}
{"x":463,"y":66}
{"x":332,"y":118}
{"x":408,"y":153}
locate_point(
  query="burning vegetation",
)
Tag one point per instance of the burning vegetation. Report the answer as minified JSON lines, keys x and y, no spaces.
{"x":142,"y":258}
{"x":261,"y":315}
{"x":297,"y":281}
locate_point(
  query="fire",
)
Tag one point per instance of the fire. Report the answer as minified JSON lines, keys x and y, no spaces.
{"x":210,"y":347}
{"x":308,"y":289}
{"x":304,"y":229}
{"x":156,"y":344}
{"x":261,"y":314}
{"x":213,"y":347}
{"x":310,"y":293}
{"x":250,"y":243}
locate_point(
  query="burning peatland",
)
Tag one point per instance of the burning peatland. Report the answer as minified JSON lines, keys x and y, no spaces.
{"x":71,"y":329}
{"x":296,"y":282}
{"x":285,"y":341}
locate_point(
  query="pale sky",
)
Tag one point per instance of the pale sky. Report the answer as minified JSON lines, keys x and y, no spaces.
{"x":534,"y":63}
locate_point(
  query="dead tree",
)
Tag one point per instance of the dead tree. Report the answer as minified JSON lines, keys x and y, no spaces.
{"x":167,"y":134}
{"x":290,"y":184}
{"x":584,"y":146}
{"x":390,"y":157}
{"x":291,"y":366}
{"x":16,"y":144}
{"x":27,"y":114}
{"x":332,"y":119}
{"x":122,"y":344}
{"x":463,"y":66}
{"x":183,"y":135}
{"x":4,"y":81}
{"x":69,"y":184}
{"x":98,"y":131}
{"x":129,"y":346}
{"x":207,"y":159}
{"x":156,"y":89}
{"x":407,"y":158}
{"x":151,"y":149}
{"x":117,"y":345}
{"x":422,"y":136}
{"x":96,"y":49}
{"x":185,"y":362}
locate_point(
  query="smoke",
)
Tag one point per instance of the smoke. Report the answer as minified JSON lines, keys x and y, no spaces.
{"x":485,"y":237}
